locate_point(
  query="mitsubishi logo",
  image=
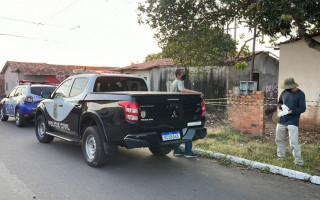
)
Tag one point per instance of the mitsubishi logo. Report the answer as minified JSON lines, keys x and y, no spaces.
{"x":174,"y":114}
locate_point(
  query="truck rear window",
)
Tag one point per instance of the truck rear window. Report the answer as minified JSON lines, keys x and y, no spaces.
{"x":37,"y":90}
{"x":112,"y":84}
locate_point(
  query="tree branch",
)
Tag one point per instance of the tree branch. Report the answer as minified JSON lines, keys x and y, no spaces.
{"x":312,"y":43}
{"x":245,"y":42}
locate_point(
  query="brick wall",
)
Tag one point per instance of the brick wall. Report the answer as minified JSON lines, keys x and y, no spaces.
{"x":246,"y":112}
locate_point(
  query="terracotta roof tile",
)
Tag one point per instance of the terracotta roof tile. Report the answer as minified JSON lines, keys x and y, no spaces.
{"x":243,"y":57}
{"x":168,"y":62}
{"x":163,"y":62}
{"x":46,"y":69}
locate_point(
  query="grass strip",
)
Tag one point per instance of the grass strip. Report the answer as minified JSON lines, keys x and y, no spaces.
{"x":228,"y":141}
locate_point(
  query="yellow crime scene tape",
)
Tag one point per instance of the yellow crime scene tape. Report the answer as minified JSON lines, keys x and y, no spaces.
{"x":269,"y":98}
{"x":227,"y":103}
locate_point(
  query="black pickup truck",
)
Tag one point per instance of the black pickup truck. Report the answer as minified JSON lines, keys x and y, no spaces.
{"x":110,"y":110}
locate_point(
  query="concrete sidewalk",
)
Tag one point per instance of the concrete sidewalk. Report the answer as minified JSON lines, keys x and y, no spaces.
{"x":257,"y":165}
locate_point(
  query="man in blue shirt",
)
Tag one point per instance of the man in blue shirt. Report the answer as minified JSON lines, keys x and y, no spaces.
{"x":292,"y":102}
{"x":178,"y":86}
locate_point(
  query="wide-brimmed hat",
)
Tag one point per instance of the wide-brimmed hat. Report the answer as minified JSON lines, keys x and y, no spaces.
{"x":288,"y":83}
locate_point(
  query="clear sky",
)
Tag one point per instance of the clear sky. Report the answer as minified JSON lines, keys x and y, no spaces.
{"x":75,"y":32}
{"x":109,"y":34}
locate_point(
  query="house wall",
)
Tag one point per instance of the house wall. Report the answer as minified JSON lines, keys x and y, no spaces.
{"x":31,"y":78}
{"x":143,"y":73}
{"x":268,"y":68}
{"x":219,"y":79}
{"x":2,"y":84}
{"x":302,"y":63}
{"x":11,"y":80}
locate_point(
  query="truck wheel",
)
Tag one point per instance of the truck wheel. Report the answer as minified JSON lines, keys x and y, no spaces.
{"x":160,"y":151}
{"x":3,"y":116}
{"x":92,"y":147}
{"x":41,"y":129}
{"x":19,"y":120}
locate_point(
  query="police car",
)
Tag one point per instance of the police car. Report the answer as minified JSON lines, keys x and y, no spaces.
{"x":110,"y":110}
{"x":23,"y":100}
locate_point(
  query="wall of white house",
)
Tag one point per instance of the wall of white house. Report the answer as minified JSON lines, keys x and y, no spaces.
{"x":302,"y":63}
{"x":143,"y":73}
{"x":31,"y":78}
{"x":11,"y":80}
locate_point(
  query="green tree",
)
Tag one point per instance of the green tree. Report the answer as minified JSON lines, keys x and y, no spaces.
{"x":184,"y":35}
{"x":154,"y":56}
{"x":289,"y":18}
{"x":192,"y":31}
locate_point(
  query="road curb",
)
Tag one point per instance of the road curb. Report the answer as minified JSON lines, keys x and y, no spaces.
{"x":262,"y":166}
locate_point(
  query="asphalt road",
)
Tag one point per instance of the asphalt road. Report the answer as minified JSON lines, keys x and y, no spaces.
{"x":31,"y":169}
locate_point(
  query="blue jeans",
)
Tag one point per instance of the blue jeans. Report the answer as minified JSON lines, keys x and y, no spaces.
{"x":188,"y":147}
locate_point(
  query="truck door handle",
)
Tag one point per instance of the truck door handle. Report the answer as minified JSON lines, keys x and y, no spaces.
{"x":60,"y":105}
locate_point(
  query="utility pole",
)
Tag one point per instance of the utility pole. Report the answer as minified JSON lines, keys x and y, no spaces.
{"x":235,"y":29}
{"x":253,"y":51}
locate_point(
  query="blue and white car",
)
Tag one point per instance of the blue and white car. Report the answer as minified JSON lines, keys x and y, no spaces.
{"x":23,"y":100}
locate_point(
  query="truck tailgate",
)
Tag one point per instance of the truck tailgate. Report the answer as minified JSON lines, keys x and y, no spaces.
{"x":171,"y":109}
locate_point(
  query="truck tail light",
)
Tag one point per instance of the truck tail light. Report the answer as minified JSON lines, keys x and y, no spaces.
{"x":28,"y":99}
{"x":203,"y":108}
{"x":131,"y":110}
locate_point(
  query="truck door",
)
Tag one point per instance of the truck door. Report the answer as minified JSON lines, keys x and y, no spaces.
{"x":16,"y":98}
{"x":73,"y":105}
{"x":9,"y":104}
{"x":55,"y":107}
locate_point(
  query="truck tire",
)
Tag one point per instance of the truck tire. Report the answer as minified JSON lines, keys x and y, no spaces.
{"x":18,"y":118}
{"x":160,"y":151}
{"x":92,"y":147}
{"x":41,"y":129}
{"x":3,"y":116}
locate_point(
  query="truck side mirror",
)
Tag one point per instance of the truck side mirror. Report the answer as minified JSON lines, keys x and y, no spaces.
{"x":45,"y":94}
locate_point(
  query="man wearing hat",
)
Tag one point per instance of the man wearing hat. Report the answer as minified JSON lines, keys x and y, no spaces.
{"x":292,"y":102}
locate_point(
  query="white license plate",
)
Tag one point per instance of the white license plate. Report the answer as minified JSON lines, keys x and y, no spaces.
{"x":171,"y":136}
{"x":198,"y":123}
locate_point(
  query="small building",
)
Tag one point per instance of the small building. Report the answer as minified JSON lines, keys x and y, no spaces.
{"x":160,"y":74}
{"x":301,"y":62}
{"x":13,"y":71}
{"x":151,"y":70}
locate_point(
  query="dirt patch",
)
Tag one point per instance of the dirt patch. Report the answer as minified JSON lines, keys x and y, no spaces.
{"x":305,"y":136}
{"x":218,"y":119}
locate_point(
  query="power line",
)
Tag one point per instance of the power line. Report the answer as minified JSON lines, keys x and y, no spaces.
{"x":32,"y":38}
{"x":62,"y":10}
{"x":37,"y":23}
